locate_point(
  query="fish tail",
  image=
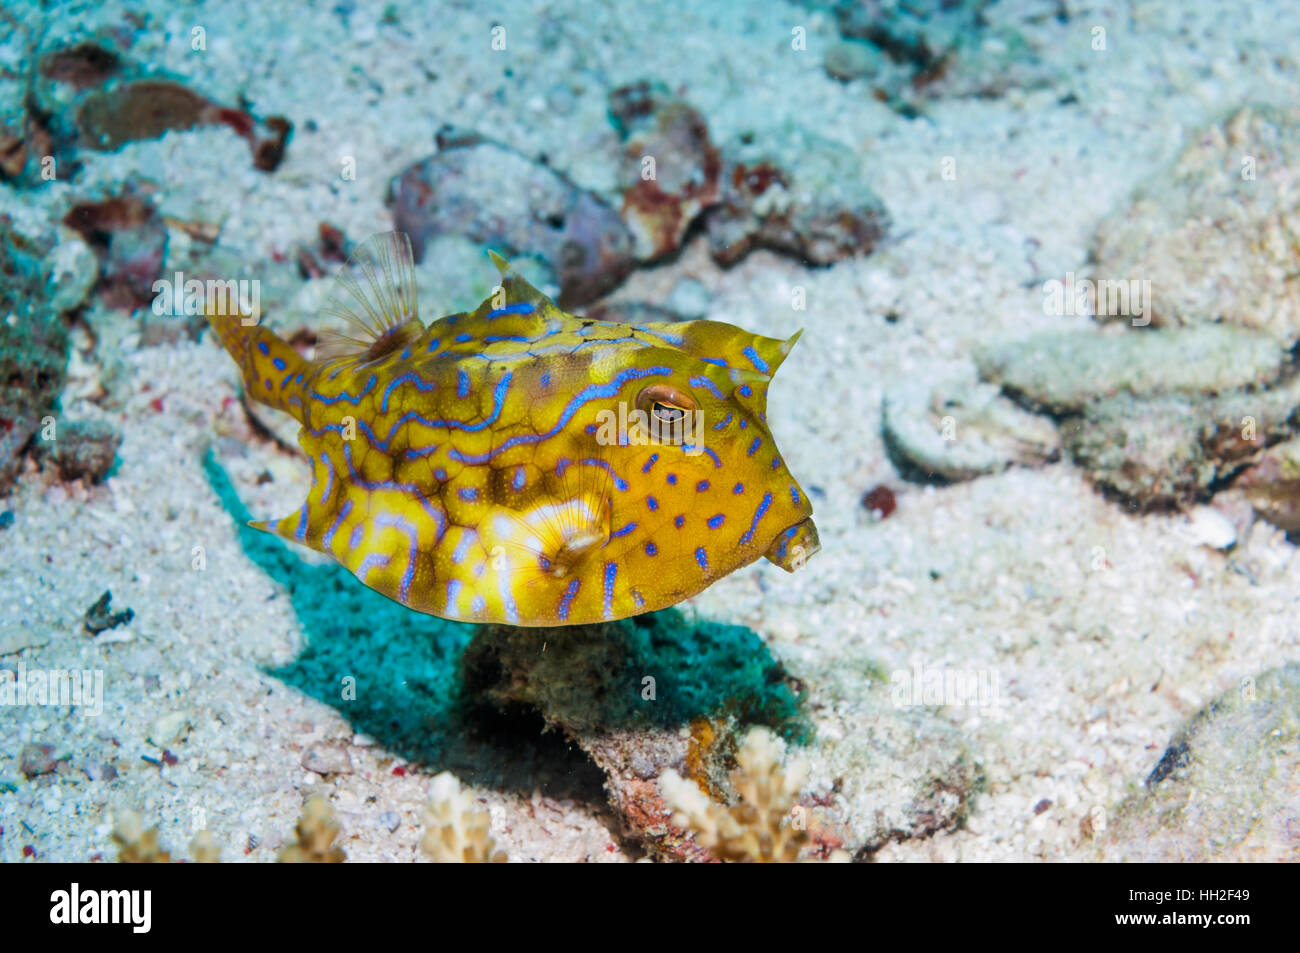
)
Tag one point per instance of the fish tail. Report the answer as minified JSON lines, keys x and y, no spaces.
{"x":273,"y":371}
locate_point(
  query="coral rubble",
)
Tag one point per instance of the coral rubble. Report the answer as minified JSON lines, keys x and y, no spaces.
{"x":1225,"y":786}
{"x":956,"y":428}
{"x":501,"y":198}
{"x":670,"y":169}
{"x":1215,"y":233}
{"x":83,"y":93}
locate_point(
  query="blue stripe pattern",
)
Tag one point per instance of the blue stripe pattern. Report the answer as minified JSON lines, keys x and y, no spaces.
{"x":567,"y":599}
{"x":522,"y":307}
{"x":611,"y":573}
{"x":758,"y":515}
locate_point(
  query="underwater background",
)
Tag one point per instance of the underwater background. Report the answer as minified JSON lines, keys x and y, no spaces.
{"x":1043,"y":254}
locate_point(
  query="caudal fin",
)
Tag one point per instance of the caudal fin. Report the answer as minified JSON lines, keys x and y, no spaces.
{"x":273,"y":371}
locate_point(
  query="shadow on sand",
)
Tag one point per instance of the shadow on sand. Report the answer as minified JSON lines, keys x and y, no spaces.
{"x":410,"y":694}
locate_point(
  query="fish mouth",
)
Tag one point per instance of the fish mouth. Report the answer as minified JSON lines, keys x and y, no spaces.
{"x":795,"y":546}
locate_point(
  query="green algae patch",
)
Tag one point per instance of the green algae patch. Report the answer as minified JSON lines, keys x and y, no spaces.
{"x":33,"y":349}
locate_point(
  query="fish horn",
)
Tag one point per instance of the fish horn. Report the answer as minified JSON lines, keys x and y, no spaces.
{"x":273,"y":371}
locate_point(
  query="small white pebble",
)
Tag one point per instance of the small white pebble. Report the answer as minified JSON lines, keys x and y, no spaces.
{"x":1211,"y":528}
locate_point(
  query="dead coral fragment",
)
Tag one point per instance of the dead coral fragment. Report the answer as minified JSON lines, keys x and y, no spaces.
{"x":83,"y":449}
{"x":759,"y":828}
{"x":822,"y":213}
{"x":90,"y":96}
{"x":316,"y":831}
{"x":130,"y":239}
{"x":458,"y":831}
{"x":660,"y":204}
{"x":99,"y":618}
{"x":1215,"y":232}
{"x":138,"y":846}
{"x":498,"y":197}
{"x":949,"y":427}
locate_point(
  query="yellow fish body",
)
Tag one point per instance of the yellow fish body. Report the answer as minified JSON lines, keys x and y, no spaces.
{"x":523,"y":465}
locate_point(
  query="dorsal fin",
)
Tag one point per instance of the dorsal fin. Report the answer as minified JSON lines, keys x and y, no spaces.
{"x":517,"y":289}
{"x":375,"y":295}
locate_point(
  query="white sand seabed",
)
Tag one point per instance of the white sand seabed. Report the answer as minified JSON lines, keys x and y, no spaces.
{"x":1096,"y":668}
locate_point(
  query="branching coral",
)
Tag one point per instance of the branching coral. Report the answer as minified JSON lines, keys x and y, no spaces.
{"x":316,"y":830}
{"x":458,"y":831}
{"x":138,"y":846}
{"x":204,"y":849}
{"x":760,"y":827}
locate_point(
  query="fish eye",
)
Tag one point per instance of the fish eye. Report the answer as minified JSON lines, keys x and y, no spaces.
{"x":665,"y":403}
{"x":666,"y":412}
